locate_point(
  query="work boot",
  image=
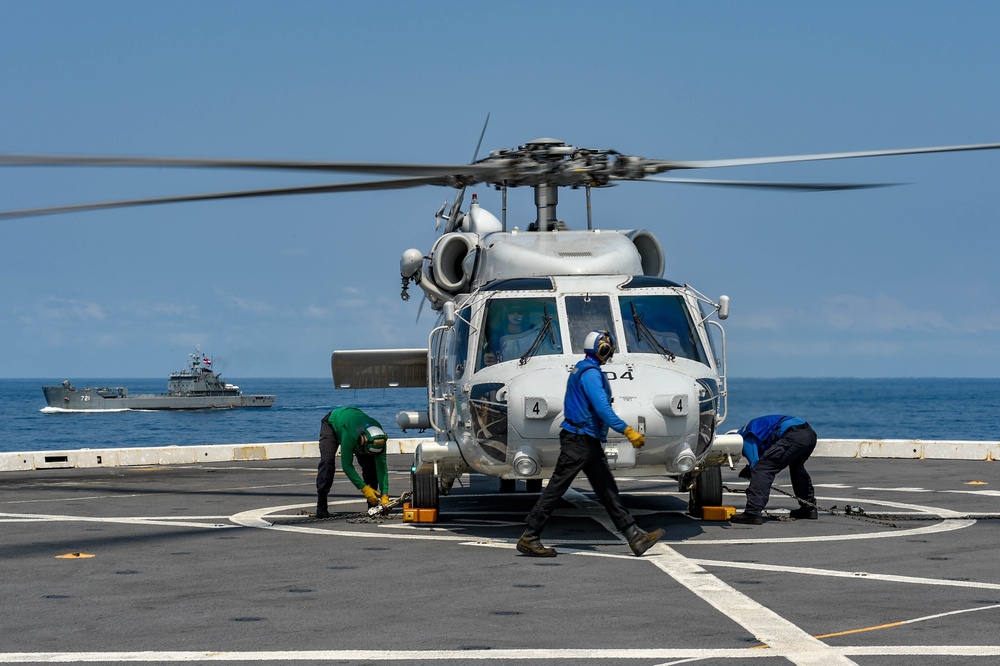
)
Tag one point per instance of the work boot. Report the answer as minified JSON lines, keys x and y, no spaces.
{"x":532,"y":546}
{"x":747,"y":519}
{"x":804,"y":513}
{"x":321,"y":507}
{"x":639,"y":540}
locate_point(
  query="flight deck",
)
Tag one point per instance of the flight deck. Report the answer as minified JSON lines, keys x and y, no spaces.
{"x":221,"y":561}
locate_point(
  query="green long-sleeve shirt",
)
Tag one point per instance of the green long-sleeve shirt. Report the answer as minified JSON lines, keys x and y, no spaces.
{"x":348,"y":423}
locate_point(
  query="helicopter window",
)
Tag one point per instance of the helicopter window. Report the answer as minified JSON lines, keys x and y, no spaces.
{"x":521,"y":284}
{"x":714,"y":343}
{"x":586,"y":314}
{"x":645,"y":281}
{"x":514,"y":325}
{"x":461,"y":342}
{"x":666,"y":319}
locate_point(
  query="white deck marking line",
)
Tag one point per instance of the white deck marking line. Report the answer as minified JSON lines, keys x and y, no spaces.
{"x":784,"y":638}
{"x":136,"y":520}
{"x":77,"y":499}
{"x":516,"y":655}
{"x":858,"y":575}
{"x":105,"y":497}
{"x":943,"y":526}
{"x":615,"y":655}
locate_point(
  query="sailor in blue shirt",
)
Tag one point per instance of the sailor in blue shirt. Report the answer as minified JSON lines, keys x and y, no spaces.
{"x":770,"y":444}
{"x":587,"y":416}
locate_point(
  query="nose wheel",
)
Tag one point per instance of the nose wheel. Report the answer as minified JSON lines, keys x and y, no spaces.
{"x":426,"y":490}
{"x":705,"y":490}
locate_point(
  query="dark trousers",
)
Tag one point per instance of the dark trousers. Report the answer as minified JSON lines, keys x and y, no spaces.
{"x":791,"y":451}
{"x":328,"y":445}
{"x":580,"y":453}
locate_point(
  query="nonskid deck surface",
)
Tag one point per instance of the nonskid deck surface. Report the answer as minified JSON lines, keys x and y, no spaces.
{"x":218,"y":562}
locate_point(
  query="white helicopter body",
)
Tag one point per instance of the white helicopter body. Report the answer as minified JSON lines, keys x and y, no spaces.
{"x":495,"y":395}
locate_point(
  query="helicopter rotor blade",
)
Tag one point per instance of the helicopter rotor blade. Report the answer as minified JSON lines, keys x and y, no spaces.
{"x":659,"y":166}
{"x":366,"y":186}
{"x":476,"y":172}
{"x":765,"y":185}
{"x":456,"y":208}
{"x":420,"y":308}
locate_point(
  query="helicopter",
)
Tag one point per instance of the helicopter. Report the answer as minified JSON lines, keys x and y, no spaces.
{"x":514,"y":307}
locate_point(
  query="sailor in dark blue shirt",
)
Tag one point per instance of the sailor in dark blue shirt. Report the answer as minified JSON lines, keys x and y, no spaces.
{"x":770,"y":444}
{"x":587,"y":416}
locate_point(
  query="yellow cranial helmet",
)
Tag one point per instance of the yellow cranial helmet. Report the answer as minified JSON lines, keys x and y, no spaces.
{"x":373,"y":439}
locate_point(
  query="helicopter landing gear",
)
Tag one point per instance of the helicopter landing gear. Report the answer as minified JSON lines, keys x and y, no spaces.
{"x":425,"y":490}
{"x":705,"y":490}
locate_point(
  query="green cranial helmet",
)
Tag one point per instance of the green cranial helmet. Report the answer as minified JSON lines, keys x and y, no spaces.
{"x":373,"y":439}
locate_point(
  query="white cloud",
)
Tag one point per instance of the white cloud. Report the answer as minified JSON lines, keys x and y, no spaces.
{"x":63,"y":308}
{"x":315,"y":312}
{"x":245,"y":304}
{"x":881,"y":313}
{"x":766,"y":320}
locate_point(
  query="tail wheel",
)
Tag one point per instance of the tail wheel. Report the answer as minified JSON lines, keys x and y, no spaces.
{"x":706,"y":491}
{"x":425,"y":490}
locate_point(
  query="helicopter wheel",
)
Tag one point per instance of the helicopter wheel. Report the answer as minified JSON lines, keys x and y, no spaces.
{"x":425,"y":490}
{"x":706,"y":491}
{"x":533,"y":485}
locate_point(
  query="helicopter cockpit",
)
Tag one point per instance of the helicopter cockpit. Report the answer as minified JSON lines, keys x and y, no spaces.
{"x":516,"y":326}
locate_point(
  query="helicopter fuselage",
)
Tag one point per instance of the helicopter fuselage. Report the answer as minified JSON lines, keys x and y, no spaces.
{"x":498,"y":376}
{"x":515,"y":308}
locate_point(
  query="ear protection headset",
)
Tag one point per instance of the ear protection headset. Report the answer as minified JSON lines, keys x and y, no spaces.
{"x":601,"y":345}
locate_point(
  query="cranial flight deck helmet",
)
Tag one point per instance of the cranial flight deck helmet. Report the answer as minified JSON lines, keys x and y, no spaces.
{"x":600,"y":345}
{"x":373,"y":439}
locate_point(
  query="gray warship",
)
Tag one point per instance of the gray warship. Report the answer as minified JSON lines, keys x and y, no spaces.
{"x":195,"y":387}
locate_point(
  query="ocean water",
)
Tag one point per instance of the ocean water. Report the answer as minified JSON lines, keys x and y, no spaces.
{"x":962,"y":409}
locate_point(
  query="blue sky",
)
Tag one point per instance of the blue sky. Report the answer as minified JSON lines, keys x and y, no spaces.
{"x":898,"y":281}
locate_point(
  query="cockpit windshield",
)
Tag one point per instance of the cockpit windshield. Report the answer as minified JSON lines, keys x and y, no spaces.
{"x":586,"y":314}
{"x":660,"y":324}
{"x":516,"y":326}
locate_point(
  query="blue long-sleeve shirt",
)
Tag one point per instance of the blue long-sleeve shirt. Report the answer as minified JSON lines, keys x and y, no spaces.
{"x":587,"y":409}
{"x":763,"y":431}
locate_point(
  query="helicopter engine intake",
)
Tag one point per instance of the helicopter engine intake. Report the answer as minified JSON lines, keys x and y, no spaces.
{"x":448,"y":260}
{"x":650,"y":252}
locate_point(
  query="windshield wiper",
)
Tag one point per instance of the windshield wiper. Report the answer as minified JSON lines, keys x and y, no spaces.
{"x":640,"y":328}
{"x":546,"y":328}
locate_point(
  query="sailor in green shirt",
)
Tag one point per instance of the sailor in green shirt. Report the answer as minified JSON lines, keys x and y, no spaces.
{"x":358,"y":436}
